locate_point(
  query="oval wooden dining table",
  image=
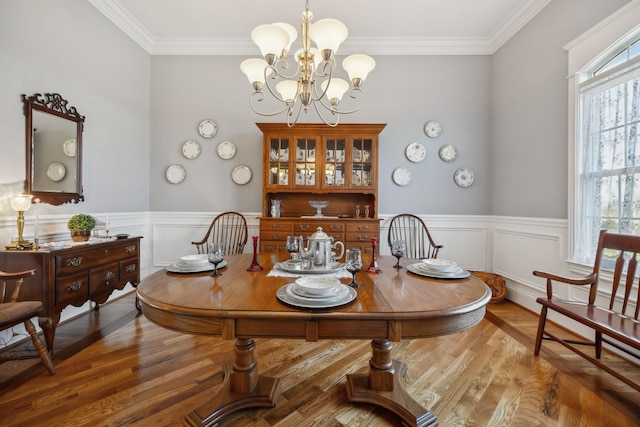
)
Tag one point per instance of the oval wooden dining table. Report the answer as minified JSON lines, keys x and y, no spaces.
{"x":240,"y":305}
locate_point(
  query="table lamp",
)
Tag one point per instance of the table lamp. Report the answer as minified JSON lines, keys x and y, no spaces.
{"x":20,"y":203}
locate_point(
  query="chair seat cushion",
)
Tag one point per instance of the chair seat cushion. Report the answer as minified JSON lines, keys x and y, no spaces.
{"x":12,"y":311}
{"x":616,"y":325}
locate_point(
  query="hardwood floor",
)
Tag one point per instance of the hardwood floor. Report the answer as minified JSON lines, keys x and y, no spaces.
{"x":124,"y":370}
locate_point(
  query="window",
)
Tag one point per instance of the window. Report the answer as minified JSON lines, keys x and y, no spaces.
{"x":608,"y":158}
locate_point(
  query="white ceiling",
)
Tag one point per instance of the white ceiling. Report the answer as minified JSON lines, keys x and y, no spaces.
{"x":383,"y":27}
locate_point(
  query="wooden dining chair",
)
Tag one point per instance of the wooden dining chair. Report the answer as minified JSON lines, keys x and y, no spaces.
{"x":415,"y":234}
{"x":228,"y":228}
{"x":14,"y":312}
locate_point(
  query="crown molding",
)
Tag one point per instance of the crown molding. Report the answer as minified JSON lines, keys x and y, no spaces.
{"x":515,"y":22}
{"x":122,"y":19}
{"x":372,"y":46}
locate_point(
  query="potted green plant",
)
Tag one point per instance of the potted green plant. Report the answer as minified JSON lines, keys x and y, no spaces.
{"x":80,"y":226}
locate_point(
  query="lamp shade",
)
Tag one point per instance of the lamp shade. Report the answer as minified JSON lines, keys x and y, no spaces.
{"x":287,"y":89}
{"x":270,"y":38}
{"x":328,"y":34}
{"x":254,"y":68}
{"x":335,"y":89}
{"x":358,"y":66}
{"x":21,"y":202}
{"x":291,"y":31}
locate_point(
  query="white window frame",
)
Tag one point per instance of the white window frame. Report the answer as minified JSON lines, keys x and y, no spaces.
{"x":585,"y":54}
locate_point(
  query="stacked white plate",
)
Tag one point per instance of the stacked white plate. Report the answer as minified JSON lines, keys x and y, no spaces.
{"x":438,"y":268}
{"x":193,"y":264}
{"x":316,"y":287}
{"x":333,"y":268}
{"x":316,"y":292}
{"x":194,"y":260}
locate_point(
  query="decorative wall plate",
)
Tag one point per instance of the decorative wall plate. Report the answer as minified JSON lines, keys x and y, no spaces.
{"x":415,"y":152}
{"x":191,"y":149}
{"x":176,"y":174}
{"x":463,"y":177}
{"x":432,"y":129}
{"x":207,"y":128}
{"x":56,"y":171}
{"x":241,"y":174}
{"x":70,"y":147}
{"x":226,"y":150}
{"x":448,"y":153}
{"x":402,"y":176}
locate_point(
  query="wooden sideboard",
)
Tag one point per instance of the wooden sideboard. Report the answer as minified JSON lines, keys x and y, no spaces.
{"x":74,"y":275}
{"x":317,"y":162}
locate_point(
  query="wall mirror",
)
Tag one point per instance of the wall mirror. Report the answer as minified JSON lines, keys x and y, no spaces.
{"x":54,"y":149}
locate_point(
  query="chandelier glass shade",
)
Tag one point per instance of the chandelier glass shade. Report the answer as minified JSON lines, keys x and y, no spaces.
{"x":312,"y":82}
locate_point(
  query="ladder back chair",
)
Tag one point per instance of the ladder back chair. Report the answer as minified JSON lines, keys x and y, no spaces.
{"x":14,"y":312}
{"x":228,"y":228}
{"x":415,"y":234}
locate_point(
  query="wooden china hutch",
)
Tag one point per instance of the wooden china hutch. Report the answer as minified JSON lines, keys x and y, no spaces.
{"x":316,"y":162}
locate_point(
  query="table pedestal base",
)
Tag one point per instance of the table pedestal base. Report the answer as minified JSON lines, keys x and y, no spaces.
{"x":242,"y":388}
{"x":382,"y":386}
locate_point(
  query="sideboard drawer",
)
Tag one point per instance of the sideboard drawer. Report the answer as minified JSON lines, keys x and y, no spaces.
{"x":307,"y":228}
{"x":360,"y":237}
{"x":275,"y":230}
{"x":275,"y":226}
{"x":103,"y":278}
{"x":73,"y":288}
{"x":363,"y":227}
{"x":128,"y":269}
{"x":69,"y":263}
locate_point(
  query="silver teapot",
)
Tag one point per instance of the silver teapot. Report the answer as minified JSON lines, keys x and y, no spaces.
{"x":320,"y":247}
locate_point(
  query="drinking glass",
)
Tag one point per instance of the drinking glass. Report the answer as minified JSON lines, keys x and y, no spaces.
{"x":215,"y":255}
{"x":398,"y":250}
{"x":353,"y":264}
{"x":292,"y":245}
{"x":305,"y":254}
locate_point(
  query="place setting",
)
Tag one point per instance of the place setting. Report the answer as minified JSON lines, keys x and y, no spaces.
{"x":438,"y":269}
{"x":197,"y":263}
{"x":316,"y":292}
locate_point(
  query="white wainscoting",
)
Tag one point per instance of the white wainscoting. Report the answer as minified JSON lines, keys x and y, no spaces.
{"x":510,"y":246}
{"x":522,"y":245}
{"x":173,"y":232}
{"x":464,"y":238}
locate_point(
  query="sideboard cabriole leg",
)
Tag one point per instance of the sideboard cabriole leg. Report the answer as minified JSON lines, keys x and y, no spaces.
{"x":49,"y":325}
{"x":382,"y":386}
{"x":242,"y":388}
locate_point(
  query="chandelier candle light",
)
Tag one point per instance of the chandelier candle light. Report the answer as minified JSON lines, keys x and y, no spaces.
{"x":313,"y":83}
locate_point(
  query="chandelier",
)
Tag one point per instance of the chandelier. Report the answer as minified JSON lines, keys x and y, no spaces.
{"x":313,"y":83}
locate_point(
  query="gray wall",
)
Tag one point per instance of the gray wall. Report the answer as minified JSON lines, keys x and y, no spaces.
{"x":68,"y":47}
{"x":403,"y":92}
{"x":505,"y":113}
{"x":529,"y":147}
